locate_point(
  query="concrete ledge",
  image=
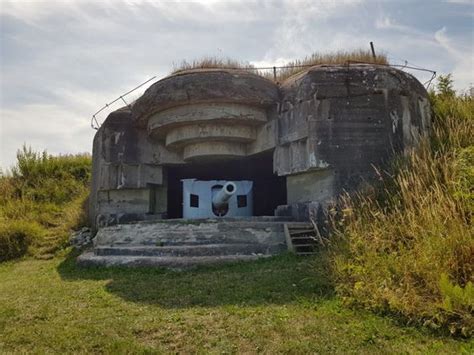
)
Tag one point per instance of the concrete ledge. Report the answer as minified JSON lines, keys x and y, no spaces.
{"x":216,"y":113}
{"x":194,"y":233}
{"x":89,"y":259}
{"x":209,"y":132}
{"x":211,"y":150}
{"x":191,"y":250}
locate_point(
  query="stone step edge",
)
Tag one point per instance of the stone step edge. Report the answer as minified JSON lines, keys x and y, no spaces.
{"x":253,"y":219}
{"x":188,"y":250}
{"x":89,"y":259}
{"x":184,"y":246}
{"x":236,"y":224}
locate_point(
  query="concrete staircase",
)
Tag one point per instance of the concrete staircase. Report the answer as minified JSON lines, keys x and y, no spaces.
{"x":186,"y":243}
{"x":302,"y":238}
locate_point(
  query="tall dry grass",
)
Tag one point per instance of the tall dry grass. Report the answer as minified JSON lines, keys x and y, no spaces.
{"x":291,"y":68}
{"x":407,"y":245}
{"x":209,"y":62}
{"x":339,"y":57}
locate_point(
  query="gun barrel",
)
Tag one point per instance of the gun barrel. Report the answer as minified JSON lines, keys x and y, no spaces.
{"x":224,"y":195}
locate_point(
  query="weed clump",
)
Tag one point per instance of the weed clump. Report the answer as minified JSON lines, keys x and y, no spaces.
{"x":406,"y":246}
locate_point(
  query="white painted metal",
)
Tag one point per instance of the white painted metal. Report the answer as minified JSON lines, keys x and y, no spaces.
{"x":218,"y":192}
{"x":223,"y":194}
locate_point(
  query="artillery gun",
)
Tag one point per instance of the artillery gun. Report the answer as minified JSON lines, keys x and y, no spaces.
{"x":220,"y":204}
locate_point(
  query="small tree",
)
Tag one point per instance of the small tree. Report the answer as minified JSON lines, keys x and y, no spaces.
{"x":445,"y":85}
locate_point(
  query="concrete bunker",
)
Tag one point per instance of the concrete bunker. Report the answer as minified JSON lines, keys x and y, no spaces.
{"x":300,"y":143}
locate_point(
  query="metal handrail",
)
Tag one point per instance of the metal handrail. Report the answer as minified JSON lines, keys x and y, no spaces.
{"x":121,"y":97}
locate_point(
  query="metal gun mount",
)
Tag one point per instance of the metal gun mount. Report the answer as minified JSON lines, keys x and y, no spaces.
{"x":217,"y":198}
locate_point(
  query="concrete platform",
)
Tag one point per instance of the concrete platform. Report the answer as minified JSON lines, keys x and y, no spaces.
{"x":186,"y":243}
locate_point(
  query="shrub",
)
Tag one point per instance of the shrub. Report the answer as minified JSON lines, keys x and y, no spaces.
{"x":406,"y":246}
{"x":445,"y":85}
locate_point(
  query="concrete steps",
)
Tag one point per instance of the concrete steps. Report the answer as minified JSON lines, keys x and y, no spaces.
{"x":301,"y":238}
{"x":186,"y":243}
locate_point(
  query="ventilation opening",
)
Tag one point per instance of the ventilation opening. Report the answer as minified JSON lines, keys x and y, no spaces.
{"x":241,"y":201}
{"x":269,"y":190}
{"x":194,"y":201}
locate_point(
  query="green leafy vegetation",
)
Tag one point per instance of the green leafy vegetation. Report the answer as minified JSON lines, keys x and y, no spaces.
{"x":445,"y":86}
{"x":294,"y":67}
{"x":41,"y":200}
{"x":406,"y":246}
{"x":284,"y":304}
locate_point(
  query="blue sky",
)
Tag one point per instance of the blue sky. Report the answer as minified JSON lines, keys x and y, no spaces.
{"x":62,"y":60}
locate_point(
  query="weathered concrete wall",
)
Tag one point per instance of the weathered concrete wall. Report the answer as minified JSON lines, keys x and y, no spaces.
{"x":327,"y":127}
{"x":311,"y":186}
{"x":346,"y":119}
{"x":126,"y":163}
{"x":133,"y":201}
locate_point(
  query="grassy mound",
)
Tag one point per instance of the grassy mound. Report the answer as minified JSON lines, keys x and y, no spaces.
{"x":406,"y":246}
{"x":294,"y":67}
{"x":41,"y":200}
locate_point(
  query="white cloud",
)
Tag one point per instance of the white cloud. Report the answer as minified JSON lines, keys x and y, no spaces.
{"x":462,"y":57}
{"x":43,"y":127}
{"x":464,"y":2}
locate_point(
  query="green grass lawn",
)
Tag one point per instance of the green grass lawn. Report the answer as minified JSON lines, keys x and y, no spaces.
{"x":283,"y":304}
